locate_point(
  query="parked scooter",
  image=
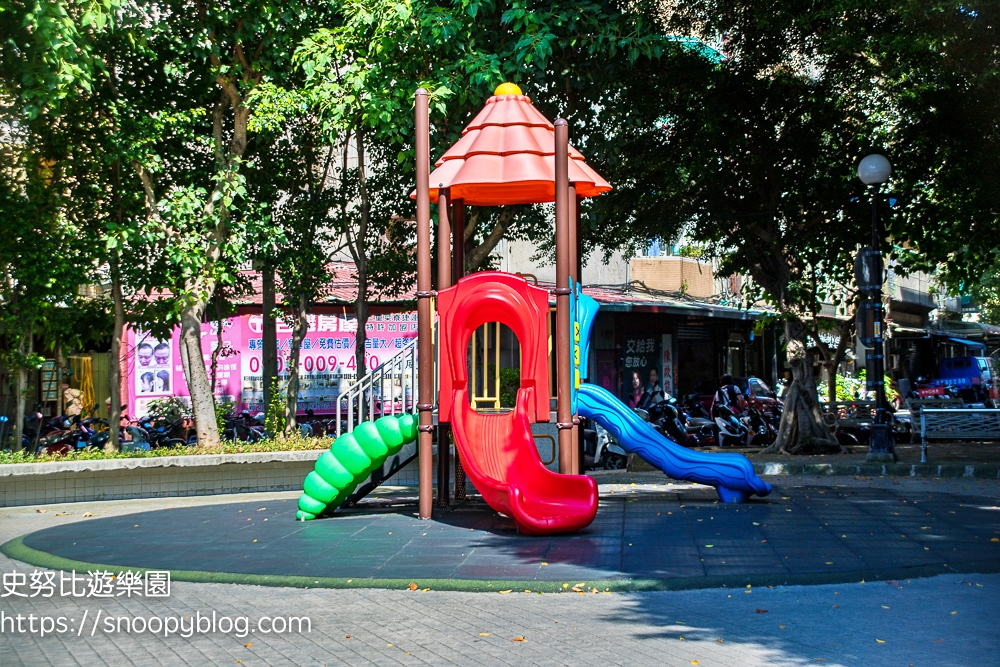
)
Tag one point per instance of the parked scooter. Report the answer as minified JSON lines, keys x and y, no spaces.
{"x":160,"y":436}
{"x":732,"y":431}
{"x":600,"y":449}
{"x":698,"y":422}
{"x":763,"y":431}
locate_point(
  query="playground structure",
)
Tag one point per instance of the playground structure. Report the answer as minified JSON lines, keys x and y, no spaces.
{"x":509,"y":154}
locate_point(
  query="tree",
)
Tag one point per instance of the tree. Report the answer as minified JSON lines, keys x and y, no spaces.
{"x":752,"y":150}
{"x":361,"y":76}
{"x":296,"y":174}
{"x":739,"y":162}
{"x":200,"y":219}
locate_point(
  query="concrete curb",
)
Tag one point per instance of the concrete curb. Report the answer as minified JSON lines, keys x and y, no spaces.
{"x":50,"y":467}
{"x":917,"y":470}
{"x":153,"y":477}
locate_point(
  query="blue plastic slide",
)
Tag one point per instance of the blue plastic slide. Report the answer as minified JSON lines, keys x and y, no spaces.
{"x":731,"y":474}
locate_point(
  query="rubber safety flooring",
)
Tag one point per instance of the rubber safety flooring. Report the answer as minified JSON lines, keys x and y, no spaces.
{"x":667,"y":535}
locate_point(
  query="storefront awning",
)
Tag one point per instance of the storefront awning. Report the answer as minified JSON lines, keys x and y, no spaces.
{"x":967,"y":343}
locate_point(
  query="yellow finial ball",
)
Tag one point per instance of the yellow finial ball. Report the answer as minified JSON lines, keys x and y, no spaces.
{"x":507,"y":89}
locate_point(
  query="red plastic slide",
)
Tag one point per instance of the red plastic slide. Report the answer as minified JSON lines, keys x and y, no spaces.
{"x":498,"y":451}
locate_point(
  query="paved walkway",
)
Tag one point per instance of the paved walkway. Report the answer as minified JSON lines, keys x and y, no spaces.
{"x":943,"y":620}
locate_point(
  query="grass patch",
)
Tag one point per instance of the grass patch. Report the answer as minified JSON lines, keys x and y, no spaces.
{"x":291,"y":444}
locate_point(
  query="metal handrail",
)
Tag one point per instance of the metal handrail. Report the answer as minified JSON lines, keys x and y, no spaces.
{"x":370,"y":391}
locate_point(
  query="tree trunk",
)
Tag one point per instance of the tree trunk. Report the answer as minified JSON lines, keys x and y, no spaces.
{"x":476,"y":256}
{"x":269,"y":353}
{"x":361,"y":263}
{"x":24,"y":348}
{"x":831,"y":380}
{"x":202,"y":399}
{"x":299,"y":328}
{"x":60,"y":394}
{"x":217,"y":352}
{"x":115,"y":372}
{"x":801,"y":428}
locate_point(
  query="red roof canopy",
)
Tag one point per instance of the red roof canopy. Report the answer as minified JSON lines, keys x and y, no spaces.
{"x":507,"y":156}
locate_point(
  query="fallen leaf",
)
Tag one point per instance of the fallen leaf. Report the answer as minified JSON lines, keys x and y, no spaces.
{"x":681,"y":638}
{"x":829,"y":562}
{"x":517,"y":639}
{"x":884,"y":607}
{"x":995,"y":539}
{"x":89,"y":514}
{"x":719,"y":640}
{"x":762,"y":611}
{"x":41,"y":511}
{"x":836,"y":606}
{"x":484,"y":634}
{"x":709,"y":546}
{"x":953,"y":613}
{"x":527,"y":590}
{"x":347,"y":636}
{"x":544,"y":563}
{"x":67,"y":514}
{"x":565,"y":585}
{"x":782,"y":627}
{"x":388,"y":645}
{"x":413,"y":586}
{"x":694,"y":662}
{"x":505,"y":592}
{"x":247,"y":645}
{"x":880,"y":641}
{"x":261,"y":509}
{"x":425,"y":589}
{"x":938,"y":641}
{"x":755,"y":523}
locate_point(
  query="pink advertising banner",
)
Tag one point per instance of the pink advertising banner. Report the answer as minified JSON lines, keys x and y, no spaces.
{"x":326,"y":360}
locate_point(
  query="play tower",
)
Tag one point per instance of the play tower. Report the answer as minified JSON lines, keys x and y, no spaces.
{"x":509,"y":154}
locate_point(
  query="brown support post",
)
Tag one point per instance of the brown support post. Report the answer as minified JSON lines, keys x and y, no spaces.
{"x":444,"y":282}
{"x":457,"y":271}
{"x":425,"y":360}
{"x":564,"y":413}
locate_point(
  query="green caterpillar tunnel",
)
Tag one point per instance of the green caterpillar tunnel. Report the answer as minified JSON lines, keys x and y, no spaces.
{"x":351,"y":460}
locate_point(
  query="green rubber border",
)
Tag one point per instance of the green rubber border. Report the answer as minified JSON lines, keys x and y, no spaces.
{"x":18,"y":550}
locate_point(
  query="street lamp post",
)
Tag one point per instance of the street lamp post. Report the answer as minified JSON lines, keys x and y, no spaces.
{"x":874,"y":170}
